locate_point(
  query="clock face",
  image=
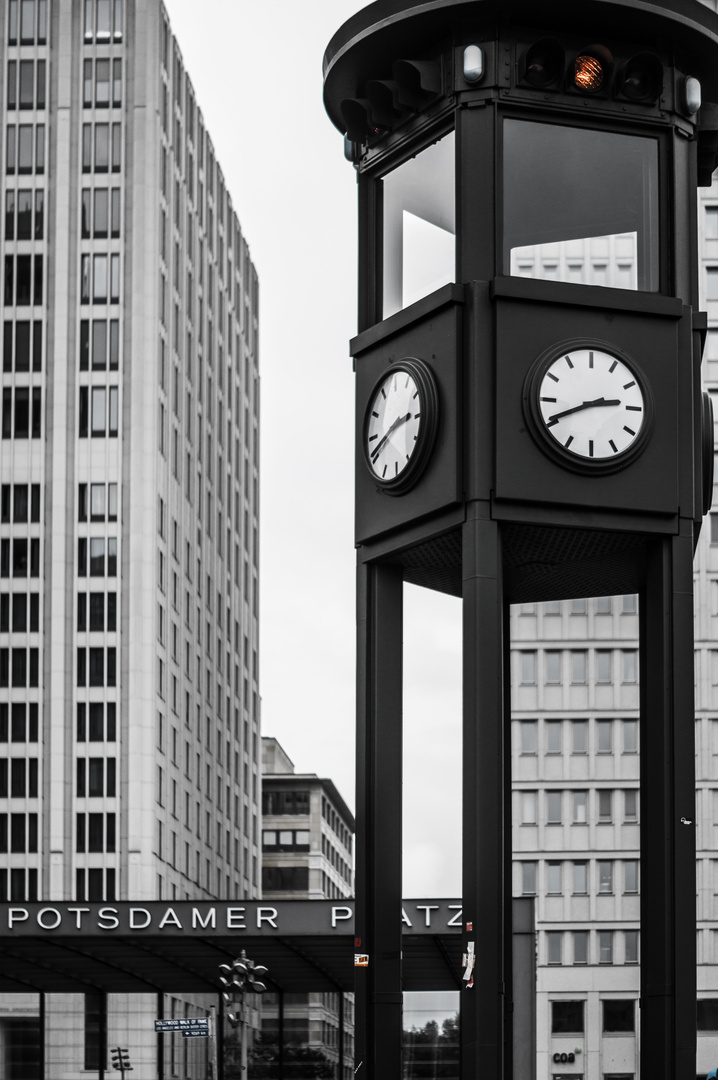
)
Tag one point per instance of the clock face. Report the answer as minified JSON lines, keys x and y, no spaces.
{"x":589,"y":405}
{"x":400,"y":425}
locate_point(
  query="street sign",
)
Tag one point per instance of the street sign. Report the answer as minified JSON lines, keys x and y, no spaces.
{"x":195,"y":1033}
{"x":199,"y":1024}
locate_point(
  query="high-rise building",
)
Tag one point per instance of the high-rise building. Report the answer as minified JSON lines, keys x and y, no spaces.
{"x":307,"y":845}
{"x":129,"y":702}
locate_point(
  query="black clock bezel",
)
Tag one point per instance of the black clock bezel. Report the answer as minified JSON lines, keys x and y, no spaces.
{"x":426,"y":384}
{"x":537,"y":425}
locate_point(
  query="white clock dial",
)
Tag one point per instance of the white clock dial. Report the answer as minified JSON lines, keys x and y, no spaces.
{"x":592,"y":404}
{"x":393,"y":424}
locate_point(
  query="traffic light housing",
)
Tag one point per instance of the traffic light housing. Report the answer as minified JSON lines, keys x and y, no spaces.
{"x":598,"y":70}
{"x":240,"y":977}
{"x":120,"y":1057}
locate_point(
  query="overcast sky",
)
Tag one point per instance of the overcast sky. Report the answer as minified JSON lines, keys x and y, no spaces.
{"x":257,"y":73}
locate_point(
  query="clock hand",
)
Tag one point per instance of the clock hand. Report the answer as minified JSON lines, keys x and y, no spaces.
{"x":377,"y":449}
{"x":584,"y":405}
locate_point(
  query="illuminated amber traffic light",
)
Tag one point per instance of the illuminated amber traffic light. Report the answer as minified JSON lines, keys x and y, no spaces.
{"x":589,"y":74}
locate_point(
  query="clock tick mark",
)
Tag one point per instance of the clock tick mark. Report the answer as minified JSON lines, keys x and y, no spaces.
{"x":590,"y":359}
{"x":376,"y":414}
{"x":383,"y":394}
{"x":630,"y":432}
{"x":634,"y":408}
{"x":384,"y":473}
{"x":613,"y":446}
{"x":612,"y":367}
{"x":396,"y":468}
{"x":590,"y":447}
{"x":552,"y":376}
{"x":372,"y":437}
{"x":628,"y":385}
{"x":568,"y":442}
{"x":569,"y":361}
{"x":549,"y":399}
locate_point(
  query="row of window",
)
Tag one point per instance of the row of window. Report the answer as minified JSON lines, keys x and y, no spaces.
{"x":603,"y":605}
{"x":25,"y":214}
{"x":27,"y":22}
{"x":20,"y":500}
{"x":285,"y":802}
{"x":22,"y":413}
{"x":18,"y":722}
{"x":18,"y":834}
{"x":285,"y":840}
{"x":23,"y":280}
{"x":25,"y":149}
{"x":95,"y":885}
{"x":99,"y":278}
{"x":556,"y":804}
{"x":557,"y":946}
{"x":576,"y":876}
{"x":99,"y":411}
{"x":96,"y":777}
{"x":18,"y":778}
{"x":96,"y":666}
{"x":336,"y":824}
{"x":103,"y":22}
{"x":97,"y":611}
{"x":577,"y":659}
{"x":330,"y":852}
{"x":102,"y":83}
{"x":100,"y":216}
{"x":102,"y":556}
{"x":99,"y":344}
{"x":19,"y":612}
{"x":95,"y":832}
{"x":605,"y":736}
{"x":26,"y":84}
{"x":567,"y":1017}
{"x":97,"y":502}
{"x":19,"y":558}
{"x":101,"y":148}
{"x":19,"y":667}
{"x":285,"y":878}
{"x":18,"y":884}
{"x":22,"y":345}
{"x":96,"y":721}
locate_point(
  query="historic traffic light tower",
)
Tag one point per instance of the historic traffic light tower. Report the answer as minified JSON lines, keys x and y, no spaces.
{"x":522,"y":435}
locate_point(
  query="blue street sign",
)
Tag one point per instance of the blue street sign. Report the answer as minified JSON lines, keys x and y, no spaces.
{"x":713,"y":1073}
{"x":196,"y":1023}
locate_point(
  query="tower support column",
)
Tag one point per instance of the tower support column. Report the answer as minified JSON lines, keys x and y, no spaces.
{"x":486,"y":820}
{"x":668,"y":846}
{"x":379,"y":821}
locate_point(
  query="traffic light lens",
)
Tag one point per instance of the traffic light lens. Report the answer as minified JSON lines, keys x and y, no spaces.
{"x":543,"y":64}
{"x":643,"y":78}
{"x":589,"y":74}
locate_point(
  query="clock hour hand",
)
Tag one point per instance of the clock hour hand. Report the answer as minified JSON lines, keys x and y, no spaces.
{"x":584,"y":405}
{"x":378,"y":448}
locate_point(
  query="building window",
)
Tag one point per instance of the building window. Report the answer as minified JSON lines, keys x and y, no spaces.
{"x":578,"y":607}
{"x":553,"y":942}
{"x":605,"y":946}
{"x":630,"y":736}
{"x":528,"y":807}
{"x":553,"y":878}
{"x":712,"y":283}
{"x":603,"y":665}
{"x":630,"y":938}
{"x":630,"y":806}
{"x":285,"y":878}
{"x":579,"y":808}
{"x":567,"y":1017}
{"x":579,"y":736}
{"x":528,"y":668}
{"x":603,"y":605}
{"x":580,"y":946}
{"x":604,"y":731}
{"x":580,"y":878}
{"x":553,"y":736}
{"x":528,"y":736}
{"x":578,"y":666}
{"x":630,"y":876}
{"x":553,"y":807}
{"x":25,"y":149}
{"x":707,"y":1014}
{"x":605,"y":876}
{"x":552,"y":607}
{"x":32,"y":22}
{"x":553,"y":666}
{"x":630,"y":666}
{"x":619,"y":1016}
{"x":528,"y":878}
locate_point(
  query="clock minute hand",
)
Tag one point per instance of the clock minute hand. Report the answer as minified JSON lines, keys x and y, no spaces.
{"x":399,"y":420}
{"x":584,"y":405}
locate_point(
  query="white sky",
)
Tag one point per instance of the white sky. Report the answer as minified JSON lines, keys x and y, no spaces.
{"x":257,"y":73}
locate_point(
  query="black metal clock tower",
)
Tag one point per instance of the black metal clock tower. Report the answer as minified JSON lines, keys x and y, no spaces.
{"x":521,"y":439}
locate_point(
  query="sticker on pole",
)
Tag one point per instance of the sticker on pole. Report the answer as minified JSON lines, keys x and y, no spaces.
{"x":361,"y":959}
